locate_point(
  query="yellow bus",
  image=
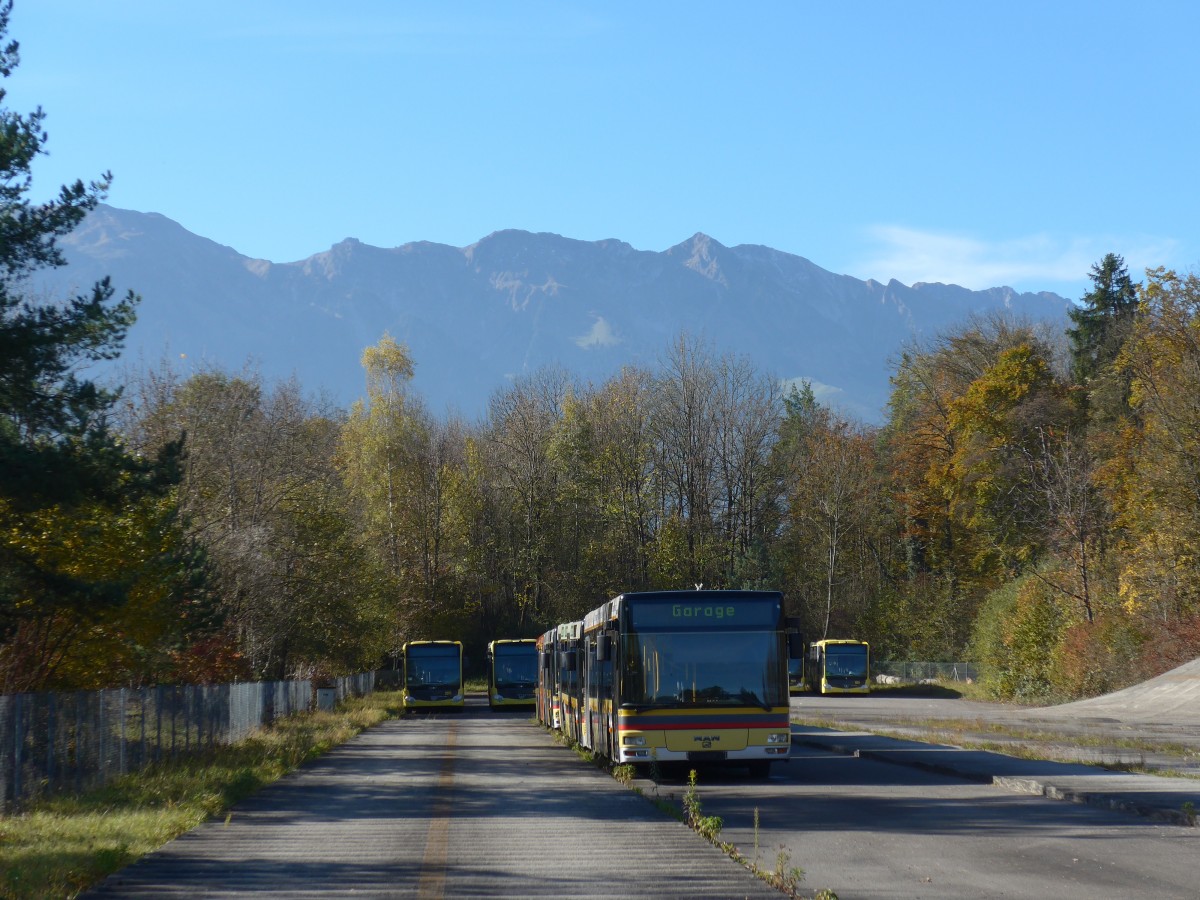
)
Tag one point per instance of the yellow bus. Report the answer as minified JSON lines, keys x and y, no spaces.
{"x":687,"y":676}
{"x":557,"y":677}
{"x":797,"y":677}
{"x":512,"y":667}
{"x":839,"y":667}
{"x":545,"y":700}
{"x":433,"y":675}
{"x":567,"y":670}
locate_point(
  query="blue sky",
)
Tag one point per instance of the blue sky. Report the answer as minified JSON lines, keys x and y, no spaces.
{"x":982,"y":144}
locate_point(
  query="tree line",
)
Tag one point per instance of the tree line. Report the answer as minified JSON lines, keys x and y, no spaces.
{"x":1032,"y":500}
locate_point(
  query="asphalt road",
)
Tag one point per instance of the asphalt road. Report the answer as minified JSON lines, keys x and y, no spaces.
{"x":487,"y":804}
{"x":872,"y":829}
{"x":471,"y":804}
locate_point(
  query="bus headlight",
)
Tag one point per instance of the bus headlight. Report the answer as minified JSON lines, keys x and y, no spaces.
{"x":633,"y":740}
{"x":779,"y":737}
{"x":497,"y":696}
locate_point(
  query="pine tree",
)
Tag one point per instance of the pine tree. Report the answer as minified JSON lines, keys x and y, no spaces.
{"x":1103,"y":320}
{"x":53,"y":443}
{"x":57,"y":453}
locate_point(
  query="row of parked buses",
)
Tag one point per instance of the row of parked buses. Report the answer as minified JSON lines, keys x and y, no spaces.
{"x":432,"y":675}
{"x":646,"y":667}
{"x":674,"y":676}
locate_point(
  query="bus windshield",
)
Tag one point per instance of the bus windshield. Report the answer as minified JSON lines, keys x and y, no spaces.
{"x":795,"y":671}
{"x":515,"y":665}
{"x":432,"y":666}
{"x":704,"y":668}
{"x":849,"y":660}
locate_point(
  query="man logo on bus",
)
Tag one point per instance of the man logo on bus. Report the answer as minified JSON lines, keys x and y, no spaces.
{"x":706,"y":740}
{"x":699,"y":611}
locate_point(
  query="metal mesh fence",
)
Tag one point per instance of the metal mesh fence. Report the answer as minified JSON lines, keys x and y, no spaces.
{"x":916,"y":672}
{"x":73,"y":742}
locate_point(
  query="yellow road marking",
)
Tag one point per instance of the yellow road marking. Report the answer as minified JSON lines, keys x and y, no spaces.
{"x":432,"y":885}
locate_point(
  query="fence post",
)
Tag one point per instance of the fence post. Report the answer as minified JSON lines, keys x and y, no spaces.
{"x":143,"y":694}
{"x":5,"y":728}
{"x":78,"y":744}
{"x":121,"y":748}
{"x":158,"y":700}
{"x":51,"y":710}
{"x":17,"y":742}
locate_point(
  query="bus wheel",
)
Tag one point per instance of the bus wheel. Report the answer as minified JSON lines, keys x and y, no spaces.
{"x":760,"y":769}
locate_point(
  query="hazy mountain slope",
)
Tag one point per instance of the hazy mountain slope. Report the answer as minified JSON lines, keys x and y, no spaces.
{"x":509,"y":304}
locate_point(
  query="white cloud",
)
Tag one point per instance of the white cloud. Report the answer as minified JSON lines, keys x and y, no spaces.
{"x":822,"y":393}
{"x":910,"y":256}
{"x":600,"y":335}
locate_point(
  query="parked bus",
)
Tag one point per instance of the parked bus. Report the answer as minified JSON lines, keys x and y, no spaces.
{"x":512,"y":668}
{"x":839,"y":667}
{"x":433,"y":675}
{"x":797,"y":677}
{"x":556,"y":675}
{"x":568,"y":678}
{"x":545,"y":707}
{"x":682,"y":676}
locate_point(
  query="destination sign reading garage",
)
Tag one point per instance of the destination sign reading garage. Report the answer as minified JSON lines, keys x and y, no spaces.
{"x":738,"y":611}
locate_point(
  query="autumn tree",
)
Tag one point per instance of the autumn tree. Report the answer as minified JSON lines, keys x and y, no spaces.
{"x":518,"y":442}
{"x":921,"y":444}
{"x":1001,"y":422}
{"x":1074,"y":510}
{"x":299,"y":593}
{"x":1159,"y":501}
{"x":603,"y":451}
{"x":747,"y":410}
{"x":376,"y":448}
{"x":408,"y":473}
{"x":684,"y":415}
{"x":826,"y":463}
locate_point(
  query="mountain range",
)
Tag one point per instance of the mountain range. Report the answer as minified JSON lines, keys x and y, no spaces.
{"x":475,"y":317}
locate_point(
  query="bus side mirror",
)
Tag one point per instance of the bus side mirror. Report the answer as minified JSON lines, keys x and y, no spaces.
{"x":795,"y":645}
{"x":603,"y":648}
{"x":566,"y":661}
{"x":545,"y":659}
{"x":795,"y":638}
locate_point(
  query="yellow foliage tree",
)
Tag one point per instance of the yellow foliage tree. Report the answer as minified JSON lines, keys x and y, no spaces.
{"x":133,"y":550}
{"x":1159,"y":505}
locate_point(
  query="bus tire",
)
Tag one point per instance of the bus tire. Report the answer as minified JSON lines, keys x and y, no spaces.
{"x":760,"y":769}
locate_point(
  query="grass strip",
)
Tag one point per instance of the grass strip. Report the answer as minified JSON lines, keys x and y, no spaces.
{"x":61,"y":846}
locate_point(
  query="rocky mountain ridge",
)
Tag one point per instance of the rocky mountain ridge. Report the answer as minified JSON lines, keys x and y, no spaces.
{"x":477,"y":316}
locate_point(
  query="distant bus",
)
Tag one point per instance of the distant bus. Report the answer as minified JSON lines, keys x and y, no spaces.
{"x":433,"y":675}
{"x":797,"y":682}
{"x":839,"y":667}
{"x":678,"y":676}
{"x":512,"y":667}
